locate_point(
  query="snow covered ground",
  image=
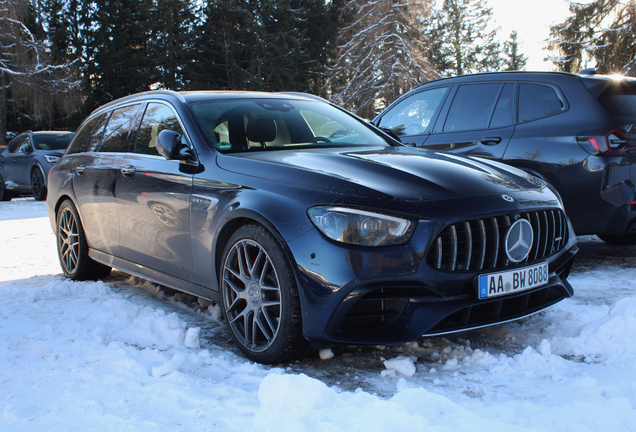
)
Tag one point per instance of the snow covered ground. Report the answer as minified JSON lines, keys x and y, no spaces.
{"x":126,"y":355}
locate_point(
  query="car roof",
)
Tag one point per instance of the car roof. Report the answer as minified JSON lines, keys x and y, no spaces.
{"x":488,"y":76}
{"x":51,"y":132}
{"x":195,"y":96}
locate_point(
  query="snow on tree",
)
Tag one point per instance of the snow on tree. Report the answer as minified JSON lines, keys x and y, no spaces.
{"x":513,"y":60}
{"x":382,"y":53}
{"x":463,"y":39}
{"x":28,"y":80}
{"x":601,"y":34}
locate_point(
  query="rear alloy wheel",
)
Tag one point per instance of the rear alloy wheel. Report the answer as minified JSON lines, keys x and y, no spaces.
{"x":5,"y":195}
{"x":260,"y":298}
{"x":37,"y":185}
{"x":72,"y":248}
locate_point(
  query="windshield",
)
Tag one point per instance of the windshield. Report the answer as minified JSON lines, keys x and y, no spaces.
{"x":52,"y":141}
{"x":273,"y":124}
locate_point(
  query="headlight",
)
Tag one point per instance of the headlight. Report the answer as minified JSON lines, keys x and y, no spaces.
{"x":360,"y":227}
{"x":51,"y":159}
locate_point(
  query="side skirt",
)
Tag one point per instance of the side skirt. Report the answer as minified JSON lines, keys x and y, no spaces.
{"x":154,"y":276}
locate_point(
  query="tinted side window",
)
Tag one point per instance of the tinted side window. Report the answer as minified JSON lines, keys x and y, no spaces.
{"x":83,"y":136}
{"x":14,"y":146}
{"x":156,"y":118}
{"x":472,"y":107}
{"x":118,"y":128}
{"x":98,"y":133}
{"x":537,"y":101}
{"x":620,"y":100}
{"x":503,"y":115}
{"x":413,"y":115}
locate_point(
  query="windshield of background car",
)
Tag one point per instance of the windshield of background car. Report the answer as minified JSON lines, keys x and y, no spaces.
{"x":620,"y":100}
{"x":275,"y":124}
{"x":52,"y":141}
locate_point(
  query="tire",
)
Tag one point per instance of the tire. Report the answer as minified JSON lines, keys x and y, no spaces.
{"x":627,"y":239}
{"x":5,"y":195}
{"x":260,"y":300}
{"x":72,"y":249}
{"x":37,"y":184}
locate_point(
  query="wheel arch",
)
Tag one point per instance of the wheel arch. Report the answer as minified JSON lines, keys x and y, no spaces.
{"x":38,"y":165}
{"x":232,"y":224}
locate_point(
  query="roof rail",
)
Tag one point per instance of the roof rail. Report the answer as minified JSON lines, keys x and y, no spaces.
{"x":588,"y":71}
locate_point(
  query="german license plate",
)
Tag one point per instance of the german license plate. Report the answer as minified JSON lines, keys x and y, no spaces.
{"x":512,"y":281}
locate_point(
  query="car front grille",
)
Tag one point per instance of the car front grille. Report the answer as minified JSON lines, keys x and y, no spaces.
{"x":480,"y":244}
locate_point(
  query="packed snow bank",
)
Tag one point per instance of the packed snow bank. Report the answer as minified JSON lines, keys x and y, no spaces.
{"x":114,"y":356}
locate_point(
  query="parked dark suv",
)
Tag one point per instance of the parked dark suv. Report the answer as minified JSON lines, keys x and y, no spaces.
{"x":303,"y":222}
{"x":575,"y":132}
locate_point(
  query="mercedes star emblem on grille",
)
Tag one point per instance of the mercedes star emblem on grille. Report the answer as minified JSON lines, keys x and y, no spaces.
{"x":519,"y":240}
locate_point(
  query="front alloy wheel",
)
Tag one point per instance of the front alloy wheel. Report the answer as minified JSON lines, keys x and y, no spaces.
{"x":260,"y":298}
{"x":72,"y":248}
{"x":37,"y":185}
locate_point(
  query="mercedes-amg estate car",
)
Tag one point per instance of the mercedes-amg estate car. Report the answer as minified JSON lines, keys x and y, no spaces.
{"x":306,"y":224}
{"x":575,"y":132}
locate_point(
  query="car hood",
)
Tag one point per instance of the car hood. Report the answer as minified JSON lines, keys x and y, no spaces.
{"x":397,"y":172}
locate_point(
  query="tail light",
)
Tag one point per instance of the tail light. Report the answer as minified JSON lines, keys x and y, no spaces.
{"x":614,"y":142}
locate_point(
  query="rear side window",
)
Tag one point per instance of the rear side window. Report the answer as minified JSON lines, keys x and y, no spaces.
{"x":413,"y":115}
{"x":118,"y":128}
{"x":156,"y":118}
{"x":90,"y":135}
{"x":620,"y":100}
{"x":537,"y":101}
{"x":472,"y":107}
{"x":83,"y":136}
{"x":503,"y":115}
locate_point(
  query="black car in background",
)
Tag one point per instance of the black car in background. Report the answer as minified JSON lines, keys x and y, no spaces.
{"x":576,"y":132}
{"x":25,"y":162}
{"x":306,"y":224}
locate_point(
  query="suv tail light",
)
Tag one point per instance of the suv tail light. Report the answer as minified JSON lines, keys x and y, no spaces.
{"x":614,"y":142}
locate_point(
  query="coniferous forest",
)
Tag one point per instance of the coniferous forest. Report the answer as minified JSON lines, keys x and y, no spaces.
{"x":60,"y":59}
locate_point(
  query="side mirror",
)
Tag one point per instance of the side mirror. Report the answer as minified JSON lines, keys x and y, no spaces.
{"x":26,"y":149}
{"x":390,"y":132}
{"x":170,"y":146}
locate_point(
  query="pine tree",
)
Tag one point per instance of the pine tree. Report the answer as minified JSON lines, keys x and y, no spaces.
{"x":171,"y":44}
{"x":118,"y":61}
{"x":514,"y":60}
{"x":273,"y":45}
{"x":463,"y":41}
{"x":29,"y":81}
{"x":382,"y":54}
{"x":602,"y":33}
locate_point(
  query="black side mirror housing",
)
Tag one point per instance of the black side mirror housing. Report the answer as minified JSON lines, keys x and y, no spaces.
{"x":170,"y":145}
{"x":390,"y":132}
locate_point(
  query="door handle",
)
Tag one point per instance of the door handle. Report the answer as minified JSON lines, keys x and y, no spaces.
{"x":80,"y":169}
{"x":490,"y":140}
{"x":128,"y":170}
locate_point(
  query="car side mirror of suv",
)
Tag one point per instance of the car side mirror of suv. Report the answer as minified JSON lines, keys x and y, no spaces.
{"x":26,"y":149}
{"x":170,"y":145}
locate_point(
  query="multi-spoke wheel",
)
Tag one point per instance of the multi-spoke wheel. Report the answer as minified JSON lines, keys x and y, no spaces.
{"x":5,"y":195}
{"x":260,"y":298}
{"x":37,"y":185}
{"x":72,"y":248}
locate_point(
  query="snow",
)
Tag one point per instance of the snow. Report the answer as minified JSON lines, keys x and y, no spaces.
{"x":124,"y":354}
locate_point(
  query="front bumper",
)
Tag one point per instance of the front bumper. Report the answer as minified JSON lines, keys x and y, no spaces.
{"x":391,"y":295}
